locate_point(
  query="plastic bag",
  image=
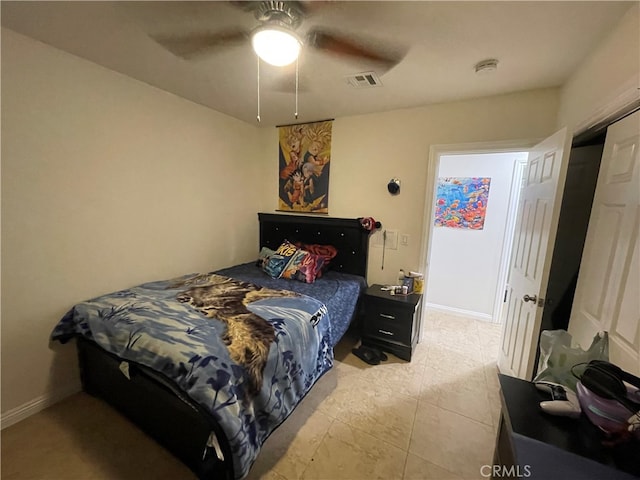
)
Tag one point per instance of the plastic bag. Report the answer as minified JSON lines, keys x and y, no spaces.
{"x":557,"y":356}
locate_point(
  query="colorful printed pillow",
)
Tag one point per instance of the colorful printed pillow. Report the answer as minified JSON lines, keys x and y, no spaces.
{"x":327,"y":252}
{"x":292,"y":268}
{"x":304,"y":267}
{"x":311,"y":268}
{"x":280,"y":259}
{"x":264,"y":256}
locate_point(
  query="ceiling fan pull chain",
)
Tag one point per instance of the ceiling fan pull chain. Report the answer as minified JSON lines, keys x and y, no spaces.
{"x":296,"y":112}
{"x":258,"y":117}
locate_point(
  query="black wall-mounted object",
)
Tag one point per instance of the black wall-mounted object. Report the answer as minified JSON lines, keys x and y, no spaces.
{"x":394,"y":186}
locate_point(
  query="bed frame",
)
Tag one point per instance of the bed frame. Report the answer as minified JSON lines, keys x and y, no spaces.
{"x":346,"y":234}
{"x":148,"y":399}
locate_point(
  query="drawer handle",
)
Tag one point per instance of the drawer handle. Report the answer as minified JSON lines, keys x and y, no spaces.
{"x":386,"y":332}
{"x":391,"y":317}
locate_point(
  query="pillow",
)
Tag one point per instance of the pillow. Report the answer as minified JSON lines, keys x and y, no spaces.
{"x":304,"y":267}
{"x":291,"y":270}
{"x":264,"y":256}
{"x":327,"y":252}
{"x":280,"y":259}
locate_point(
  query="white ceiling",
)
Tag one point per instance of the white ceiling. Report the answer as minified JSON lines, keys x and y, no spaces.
{"x":538,"y":44}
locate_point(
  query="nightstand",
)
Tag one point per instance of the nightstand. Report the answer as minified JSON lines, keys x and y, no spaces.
{"x":391,"y":322}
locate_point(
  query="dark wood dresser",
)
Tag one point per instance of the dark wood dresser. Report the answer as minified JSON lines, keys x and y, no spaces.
{"x":535,"y":445}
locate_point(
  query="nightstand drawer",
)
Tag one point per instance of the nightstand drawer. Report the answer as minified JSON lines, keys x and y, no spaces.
{"x":389,"y":323}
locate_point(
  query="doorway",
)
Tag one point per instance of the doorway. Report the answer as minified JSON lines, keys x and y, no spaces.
{"x":467,"y":264}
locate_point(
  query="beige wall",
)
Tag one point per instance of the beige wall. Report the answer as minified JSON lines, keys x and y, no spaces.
{"x":612,"y":69}
{"x":369,"y":150}
{"x":106,"y":183}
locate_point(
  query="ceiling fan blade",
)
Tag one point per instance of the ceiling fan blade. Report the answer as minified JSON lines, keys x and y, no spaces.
{"x":386,"y":56}
{"x":198,"y":44}
{"x":247,"y":6}
{"x":310,"y":7}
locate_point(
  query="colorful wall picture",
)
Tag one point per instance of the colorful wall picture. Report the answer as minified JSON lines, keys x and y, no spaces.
{"x":461,"y":202}
{"x":304,"y":162}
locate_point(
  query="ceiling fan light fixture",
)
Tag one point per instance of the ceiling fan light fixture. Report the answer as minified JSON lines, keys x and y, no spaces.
{"x":276,"y":45}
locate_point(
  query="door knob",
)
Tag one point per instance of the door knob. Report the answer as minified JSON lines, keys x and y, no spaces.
{"x":533,"y":299}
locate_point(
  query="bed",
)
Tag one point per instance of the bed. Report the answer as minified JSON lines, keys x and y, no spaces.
{"x":194,"y":363}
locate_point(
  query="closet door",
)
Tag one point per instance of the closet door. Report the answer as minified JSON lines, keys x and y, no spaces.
{"x":608,"y":291}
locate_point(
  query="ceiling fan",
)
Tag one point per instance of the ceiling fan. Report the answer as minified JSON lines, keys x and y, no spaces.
{"x":280,"y":20}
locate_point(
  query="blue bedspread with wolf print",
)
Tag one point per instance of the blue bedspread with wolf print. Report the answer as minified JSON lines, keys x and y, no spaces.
{"x":247,"y":354}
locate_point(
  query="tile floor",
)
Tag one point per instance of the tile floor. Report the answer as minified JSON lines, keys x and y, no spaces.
{"x":432,"y":418}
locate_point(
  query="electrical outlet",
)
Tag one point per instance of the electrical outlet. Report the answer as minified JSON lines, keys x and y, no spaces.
{"x":404,"y":239}
{"x":392,"y":239}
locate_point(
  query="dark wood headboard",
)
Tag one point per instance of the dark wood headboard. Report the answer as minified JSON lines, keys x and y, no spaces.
{"x":346,"y":234}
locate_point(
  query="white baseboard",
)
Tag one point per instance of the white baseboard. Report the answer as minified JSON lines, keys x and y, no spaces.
{"x":25,"y":410}
{"x":459,"y":311}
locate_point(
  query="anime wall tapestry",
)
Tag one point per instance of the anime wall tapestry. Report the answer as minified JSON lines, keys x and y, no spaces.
{"x":304,"y":162}
{"x":461,"y":202}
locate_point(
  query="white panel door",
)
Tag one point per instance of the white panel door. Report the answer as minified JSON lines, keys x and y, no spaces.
{"x":608,"y":291}
{"x":534,"y":238}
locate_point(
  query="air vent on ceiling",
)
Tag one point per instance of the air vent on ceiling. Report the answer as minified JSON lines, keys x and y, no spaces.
{"x":364,"y":80}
